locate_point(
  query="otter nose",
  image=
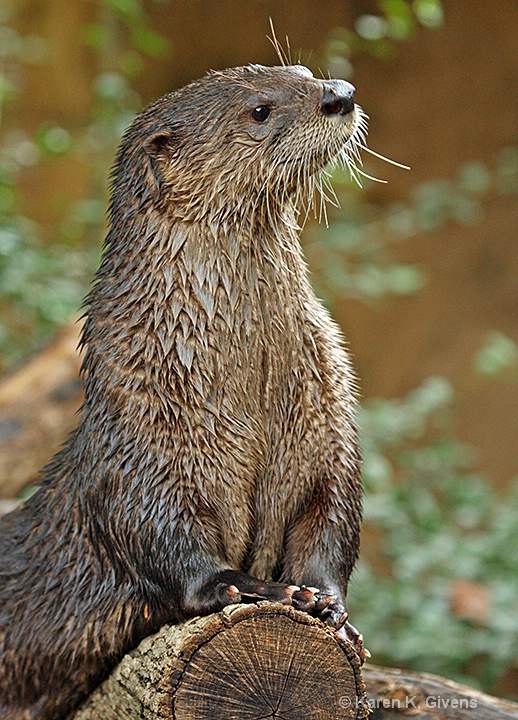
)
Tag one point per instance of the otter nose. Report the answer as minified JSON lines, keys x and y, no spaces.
{"x":338,"y":97}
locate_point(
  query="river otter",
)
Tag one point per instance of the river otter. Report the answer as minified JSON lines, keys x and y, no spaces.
{"x":217,"y":441}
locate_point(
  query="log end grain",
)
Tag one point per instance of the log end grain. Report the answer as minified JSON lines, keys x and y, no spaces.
{"x":269,"y":662}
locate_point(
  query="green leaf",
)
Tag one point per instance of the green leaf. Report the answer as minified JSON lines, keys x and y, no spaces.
{"x":54,"y":139}
{"x":96,"y":36}
{"x":429,"y":12}
{"x":150,"y":42}
{"x":497,"y":354}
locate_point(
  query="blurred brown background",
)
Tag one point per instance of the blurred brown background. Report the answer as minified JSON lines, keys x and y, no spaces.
{"x":444,"y":99}
{"x":436,"y":586}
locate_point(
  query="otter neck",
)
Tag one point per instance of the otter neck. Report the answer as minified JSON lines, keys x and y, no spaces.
{"x":168,"y":292}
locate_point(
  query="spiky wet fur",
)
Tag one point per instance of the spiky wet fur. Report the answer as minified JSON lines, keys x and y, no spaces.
{"x":218,"y":424}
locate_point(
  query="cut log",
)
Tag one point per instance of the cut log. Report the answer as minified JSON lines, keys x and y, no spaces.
{"x":252,"y":662}
{"x":245,"y":663}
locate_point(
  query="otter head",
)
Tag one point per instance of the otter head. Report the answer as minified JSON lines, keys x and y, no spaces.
{"x":240,"y":139}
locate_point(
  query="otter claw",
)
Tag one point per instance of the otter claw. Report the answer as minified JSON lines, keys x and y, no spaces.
{"x":292,"y":589}
{"x":305,"y":598}
{"x":324,"y":603}
{"x":232,"y":595}
{"x":336,"y":620}
{"x":233,"y":591}
{"x":356,"y":640}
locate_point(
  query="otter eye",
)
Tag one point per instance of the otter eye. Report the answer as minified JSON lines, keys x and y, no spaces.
{"x":261,"y":113}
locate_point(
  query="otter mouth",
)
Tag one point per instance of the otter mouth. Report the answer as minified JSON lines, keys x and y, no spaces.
{"x":350,"y":135}
{"x":338,"y":106}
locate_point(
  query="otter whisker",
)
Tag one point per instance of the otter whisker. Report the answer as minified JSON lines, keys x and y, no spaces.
{"x":281,"y":54}
{"x":306,"y":190}
{"x":332,"y":198}
{"x":350,"y":158}
{"x":353,"y":151}
{"x":348,"y":164}
{"x":321,"y":206}
{"x":359,"y":137}
{"x":322,"y":185}
{"x":288,"y":50}
{"x":322,"y":74}
{"x":369,"y":177}
{"x":323,"y":210}
{"x":382,"y":157}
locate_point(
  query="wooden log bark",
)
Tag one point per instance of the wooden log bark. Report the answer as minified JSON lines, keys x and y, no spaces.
{"x":38,"y":403}
{"x":394,"y":694}
{"x":245,"y":663}
{"x":269,"y":661}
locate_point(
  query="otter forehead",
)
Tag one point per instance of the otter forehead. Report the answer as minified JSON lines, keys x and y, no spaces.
{"x":302,"y":70}
{"x":292,"y":87}
{"x":282,"y":71}
{"x":256,"y":70}
{"x":254,"y":77}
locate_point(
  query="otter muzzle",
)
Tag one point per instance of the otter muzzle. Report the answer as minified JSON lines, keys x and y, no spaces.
{"x":338,"y":97}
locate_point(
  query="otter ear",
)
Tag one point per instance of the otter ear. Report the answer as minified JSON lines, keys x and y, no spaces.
{"x":158,"y":146}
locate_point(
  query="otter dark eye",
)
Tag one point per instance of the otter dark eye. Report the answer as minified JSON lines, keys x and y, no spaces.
{"x":261,"y":113}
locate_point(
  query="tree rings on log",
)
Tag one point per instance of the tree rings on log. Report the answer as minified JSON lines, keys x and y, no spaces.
{"x":270,"y":662}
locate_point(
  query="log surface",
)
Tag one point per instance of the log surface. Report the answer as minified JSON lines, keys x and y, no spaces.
{"x":246,"y":663}
{"x":395,"y":694}
{"x":270,"y":661}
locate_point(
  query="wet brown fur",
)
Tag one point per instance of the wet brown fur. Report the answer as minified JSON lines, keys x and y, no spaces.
{"x":218,"y":425}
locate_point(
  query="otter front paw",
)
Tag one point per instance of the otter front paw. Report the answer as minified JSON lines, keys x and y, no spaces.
{"x":324,"y":606}
{"x":329,"y":609}
{"x":230,"y":586}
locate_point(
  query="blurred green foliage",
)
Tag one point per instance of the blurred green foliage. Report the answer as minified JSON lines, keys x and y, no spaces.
{"x":437,"y":523}
{"x":499,"y":353}
{"x":379,"y":35}
{"x":41,"y":283}
{"x":434,"y":520}
{"x":42,"y":280}
{"x":352,"y":257}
